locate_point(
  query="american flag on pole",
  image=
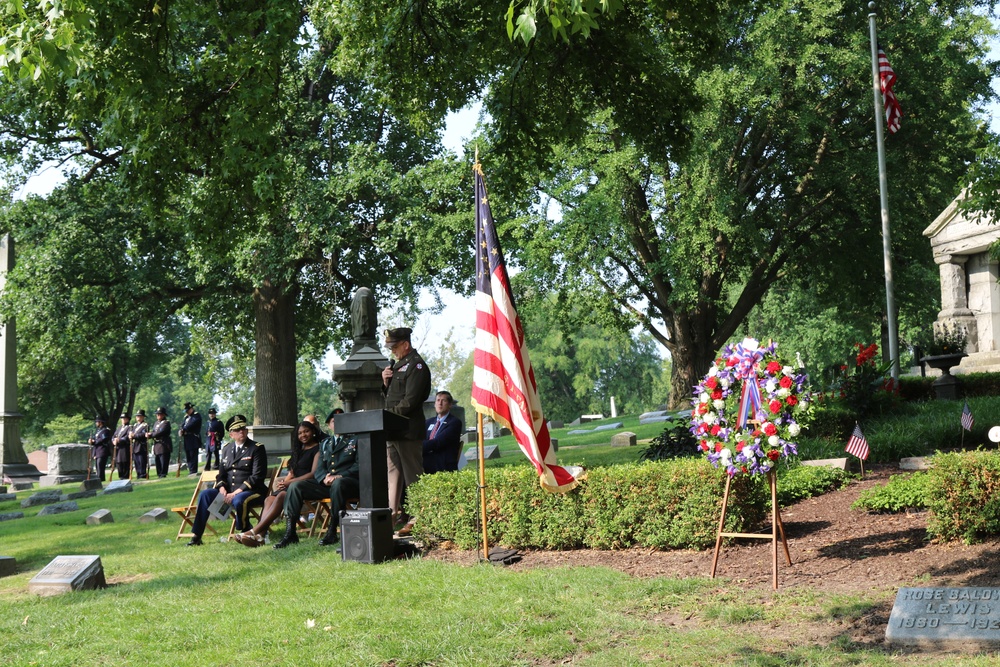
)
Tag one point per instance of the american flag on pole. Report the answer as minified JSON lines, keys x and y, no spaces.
{"x":967,"y":419}
{"x":887,"y":77}
{"x":503,"y":383}
{"x":857,"y":444}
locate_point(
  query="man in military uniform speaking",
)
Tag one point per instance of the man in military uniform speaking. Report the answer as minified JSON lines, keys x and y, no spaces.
{"x":241,"y":479}
{"x":406,"y":384}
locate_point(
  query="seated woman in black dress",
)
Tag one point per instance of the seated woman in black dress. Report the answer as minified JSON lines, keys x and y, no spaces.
{"x":304,"y":452}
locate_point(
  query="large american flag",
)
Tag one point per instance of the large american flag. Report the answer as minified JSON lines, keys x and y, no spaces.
{"x":503,"y":384}
{"x":887,"y":78}
{"x":857,"y":444}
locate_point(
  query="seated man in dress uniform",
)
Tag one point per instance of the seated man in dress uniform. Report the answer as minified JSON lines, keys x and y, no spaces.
{"x":242,"y":478}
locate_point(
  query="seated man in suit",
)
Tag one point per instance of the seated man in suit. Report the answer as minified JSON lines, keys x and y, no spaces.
{"x":242,"y":478}
{"x":443,"y":436}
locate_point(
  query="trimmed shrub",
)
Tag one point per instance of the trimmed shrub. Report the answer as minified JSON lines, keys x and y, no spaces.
{"x":801,"y":482}
{"x":662,"y":505}
{"x":964,"y":496}
{"x":900,"y":493}
{"x":675,"y":441}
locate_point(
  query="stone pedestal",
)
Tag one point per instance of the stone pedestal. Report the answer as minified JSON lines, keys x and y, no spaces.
{"x":67,"y":463}
{"x":360,"y":377}
{"x":276,"y":438}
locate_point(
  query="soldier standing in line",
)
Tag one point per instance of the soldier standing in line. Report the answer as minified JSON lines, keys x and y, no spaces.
{"x":123,"y":450}
{"x":163,"y":445}
{"x":140,"y":445}
{"x":101,"y":446}
{"x":190,"y":432}
{"x":215,"y":433}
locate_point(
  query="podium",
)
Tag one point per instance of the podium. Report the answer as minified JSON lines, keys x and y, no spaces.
{"x":366,"y":534}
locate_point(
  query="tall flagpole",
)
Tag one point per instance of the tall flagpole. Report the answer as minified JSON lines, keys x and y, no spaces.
{"x":883,"y":187}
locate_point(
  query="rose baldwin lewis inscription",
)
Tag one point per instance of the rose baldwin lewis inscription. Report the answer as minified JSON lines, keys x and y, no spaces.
{"x":945,"y":618}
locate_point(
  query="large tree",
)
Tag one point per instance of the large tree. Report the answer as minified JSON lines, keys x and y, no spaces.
{"x":279,"y":183}
{"x":698,"y":162}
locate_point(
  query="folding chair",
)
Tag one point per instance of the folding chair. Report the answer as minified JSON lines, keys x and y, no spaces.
{"x":187,"y":514}
{"x":322,"y":513}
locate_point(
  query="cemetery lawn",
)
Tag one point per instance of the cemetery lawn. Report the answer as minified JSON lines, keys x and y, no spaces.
{"x":224,"y":604}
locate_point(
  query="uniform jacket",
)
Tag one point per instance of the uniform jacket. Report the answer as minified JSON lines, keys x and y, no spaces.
{"x":160,"y":433}
{"x":409,"y":387}
{"x":191,"y":431}
{"x":121,"y":441}
{"x":243,"y":468}
{"x":140,"y":431}
{"x":102,"y":443}
{"x":441,"y":451}
{"x":218,"y":428}
{"x":338,"y":455}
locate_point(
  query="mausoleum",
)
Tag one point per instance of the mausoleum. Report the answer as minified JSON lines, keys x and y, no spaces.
{"x":970,"y":294}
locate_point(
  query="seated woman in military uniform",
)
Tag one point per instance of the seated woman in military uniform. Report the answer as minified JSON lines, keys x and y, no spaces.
{"x":304,"y":451}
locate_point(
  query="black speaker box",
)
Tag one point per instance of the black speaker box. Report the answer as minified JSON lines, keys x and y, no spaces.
{"x":366,"y":535}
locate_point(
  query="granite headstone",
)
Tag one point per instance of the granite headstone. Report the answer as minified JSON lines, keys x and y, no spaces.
{"x":69,"y":573}
{"x":945,"y":618}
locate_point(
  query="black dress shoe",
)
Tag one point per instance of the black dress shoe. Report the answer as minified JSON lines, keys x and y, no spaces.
{"x":195,"y":542}
{"x":329,"y":539}
{"x":286,"y":540}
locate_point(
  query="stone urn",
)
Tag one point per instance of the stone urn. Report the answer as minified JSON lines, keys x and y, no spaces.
{"x":946,"y":386}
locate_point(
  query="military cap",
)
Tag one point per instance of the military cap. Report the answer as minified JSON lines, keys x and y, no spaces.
{"x":188,"y":406}
{"x":140,"y":413}
{"x":161,"y":410}
{"x":398,"y":335}
{"x":236,"y":422}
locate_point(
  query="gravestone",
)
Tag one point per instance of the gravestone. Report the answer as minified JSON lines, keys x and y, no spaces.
{"x":590,"y":418}
{"x":69,"y":573}
{"x":118,"y":486}
{"x":623,"y":439}
{"x":655,"y":413}
{"x":654,"y":420}
{"x":8,"y":566}
{"x":154,"y":515}
{"x":580,"y":431}
{"x":555,"y":444}
{"x":609,"y":427}
{"x":59,"y":508}
{"x":67,"y":463}
{"x":945,"y":618}
{"x":79,"y":494}
{"x":4,"y":497}
{"x":554,"y":424}
{"x":839,"y":464}
{"x":41,"y":498}
{"x":469,"y":437}
{"x":3,"y":488}
{"x":489,"y":452}
{"x":22,"y":486}
{"x":99,"y":517}
{"x":10,"y":516}
{"x":915,"y":463}
{"x":91,"y":484}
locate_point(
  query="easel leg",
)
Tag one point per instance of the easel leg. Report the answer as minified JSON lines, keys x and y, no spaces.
{"x":722,"y":525}
{"x":774,"y":528}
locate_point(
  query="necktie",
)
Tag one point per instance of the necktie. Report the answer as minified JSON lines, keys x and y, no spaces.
{"x":434,"y":430}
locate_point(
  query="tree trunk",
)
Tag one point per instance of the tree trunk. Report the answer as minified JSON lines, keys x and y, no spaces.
{"x":275,"y":392}
{"x":690,"y":356}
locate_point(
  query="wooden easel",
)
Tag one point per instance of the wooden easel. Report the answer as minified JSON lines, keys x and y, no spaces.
{"x":776,"y":527}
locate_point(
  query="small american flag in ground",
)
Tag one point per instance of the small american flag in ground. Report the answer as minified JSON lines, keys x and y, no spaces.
{"x":887,"y":79}
{"x":857,"y":444}
{"x":967,"y":419}
{"x":503,"y":383}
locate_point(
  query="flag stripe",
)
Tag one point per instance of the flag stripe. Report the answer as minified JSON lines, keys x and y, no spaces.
{"x":887,"y":79}
{"x":967,"y":419}
{"x":857,"y":444}
{"x":503,"y":383}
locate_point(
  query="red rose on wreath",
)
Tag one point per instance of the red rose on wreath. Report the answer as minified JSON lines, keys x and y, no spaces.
{"x":718,"y":447}
{"x":792,"y":400}
{"x":711,"y":383}
{"x":715,"y":429}
{"x":717,"y":394}
{"x":785,"y":382}
{"x":770,"y":429}
{"x":774,"y":454}
{"x":774,"y":406}
{"x":773,"y":367}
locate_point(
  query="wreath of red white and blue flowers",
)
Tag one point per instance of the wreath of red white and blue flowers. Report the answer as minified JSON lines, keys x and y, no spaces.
{"x":770,"y":429}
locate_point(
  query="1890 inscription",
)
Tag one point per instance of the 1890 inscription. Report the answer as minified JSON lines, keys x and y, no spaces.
{"x":944,"y":615}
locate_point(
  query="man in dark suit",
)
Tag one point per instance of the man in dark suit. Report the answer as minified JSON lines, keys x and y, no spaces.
{"x":444,"y":433}
{"x":101,"y":444}
{"x":242,"y":478}
{"x":214,"y":434}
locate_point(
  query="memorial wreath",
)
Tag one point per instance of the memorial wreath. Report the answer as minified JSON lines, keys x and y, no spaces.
{"x":744,"y":410}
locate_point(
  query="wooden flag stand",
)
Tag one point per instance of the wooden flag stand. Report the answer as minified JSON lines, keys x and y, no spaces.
{"x":776,"y":527}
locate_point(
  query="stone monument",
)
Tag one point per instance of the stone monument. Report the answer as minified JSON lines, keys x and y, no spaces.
{"x":13,"y":461}
{"x":67,"y":463}
{"x":360,"y":377}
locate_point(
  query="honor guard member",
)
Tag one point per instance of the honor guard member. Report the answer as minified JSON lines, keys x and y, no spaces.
{"x":190,"y":433}
{"x":406,"y":384}
{"x":100,"y":444}
{"x":163,"y":445}
{"x":140,"y":445}
{"x":123,"y":451}
{"x":214,"y":435}
{"x":241,"y":479}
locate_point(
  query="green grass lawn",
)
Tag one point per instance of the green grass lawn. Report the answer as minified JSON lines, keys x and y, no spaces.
{"x":223,"y":604}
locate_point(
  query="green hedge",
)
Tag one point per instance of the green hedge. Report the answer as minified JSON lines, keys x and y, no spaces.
{"x":964,"y":496}
{"x":662,"y":505}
